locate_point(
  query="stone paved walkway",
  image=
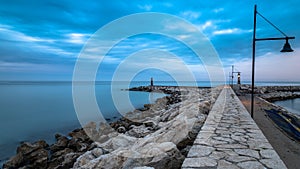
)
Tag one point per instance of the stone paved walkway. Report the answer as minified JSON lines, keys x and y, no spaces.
{"x":231,"y":139}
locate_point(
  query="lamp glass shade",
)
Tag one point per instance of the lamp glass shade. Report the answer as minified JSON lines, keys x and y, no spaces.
{"x":287,"y":47}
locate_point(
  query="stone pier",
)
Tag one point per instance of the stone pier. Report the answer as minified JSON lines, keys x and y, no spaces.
{"x":231,"y":139}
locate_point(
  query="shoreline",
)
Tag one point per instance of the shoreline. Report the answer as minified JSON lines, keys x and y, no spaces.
{"x":153,"y":122}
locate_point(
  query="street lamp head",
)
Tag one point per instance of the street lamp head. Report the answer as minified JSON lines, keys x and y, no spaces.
{"x":287,"y":47}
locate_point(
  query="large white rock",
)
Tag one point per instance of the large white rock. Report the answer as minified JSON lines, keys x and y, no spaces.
{"x":139,"y":131}
{"x":157,"y":155}
{"x":117,"y":142}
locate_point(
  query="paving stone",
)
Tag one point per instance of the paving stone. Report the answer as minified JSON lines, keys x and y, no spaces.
{"x":268,"y":154}
{"x":239,"y":138}
{"x":230,"y":146}
{"x":249,"y":126}
{"x":199,"y":162}
{"x":257,"y":144}
{"x":252,"y":130}
{"x":240,"y":130}
{"x":256,"y":135}
{"x":228,"y":140}
{"x":217,"y":155}
{"x":223,"y":131}
{"x":273,"y":163}
{"x":251,"y":164}
{"x":262,"y":140}
{"x":229,"y":152}
{"x":225,"y":135}
{"x":236,"y":133}
{"x":224,"y":126}
{"x":204,"y":134}
{"x":237,"y":159}
{"x":236,"y":125}
{"x":208,"y":128}
{"x":206,"y":142}
{"x":200,"y":151}
{"x":248,"y":152}
{"x":217,"y":142}
{"x":223,"y":164}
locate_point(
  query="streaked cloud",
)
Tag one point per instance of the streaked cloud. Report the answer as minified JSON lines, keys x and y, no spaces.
{"x":145,"y":7}
{"x":77,"y":38}
{"x":231,"y":31}
{"x":6,"y":33}
{"x":190,"y":15}
{"x":218,"y":10}
{"x":50,"y":34}
{"x":206,"y":25}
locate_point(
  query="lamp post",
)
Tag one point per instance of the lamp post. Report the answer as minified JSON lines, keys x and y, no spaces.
{"x":286,"y":48}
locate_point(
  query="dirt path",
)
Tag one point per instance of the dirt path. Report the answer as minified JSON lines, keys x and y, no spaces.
{"x":287,"y":149}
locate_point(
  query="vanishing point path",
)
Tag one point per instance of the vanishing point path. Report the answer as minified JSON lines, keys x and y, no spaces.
{"x":230,"y":139}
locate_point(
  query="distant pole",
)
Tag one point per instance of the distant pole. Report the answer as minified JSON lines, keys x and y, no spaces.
{"x":151,"y":82}
{"x":229,"y":81}
{"x":232,"y":76}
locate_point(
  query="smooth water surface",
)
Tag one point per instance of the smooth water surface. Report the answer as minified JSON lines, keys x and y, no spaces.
{"x":292,"y":105}
{"x":30,"y":111}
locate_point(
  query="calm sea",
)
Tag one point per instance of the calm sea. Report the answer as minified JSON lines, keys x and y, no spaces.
{"x":37,"y":110}
{"x":292,"y":105}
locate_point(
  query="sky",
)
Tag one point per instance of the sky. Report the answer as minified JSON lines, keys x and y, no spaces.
{"x":42,"y":40}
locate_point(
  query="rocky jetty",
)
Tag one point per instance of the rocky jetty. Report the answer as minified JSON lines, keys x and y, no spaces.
{"x":270,"y":93}
{"x":157,"y":136}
